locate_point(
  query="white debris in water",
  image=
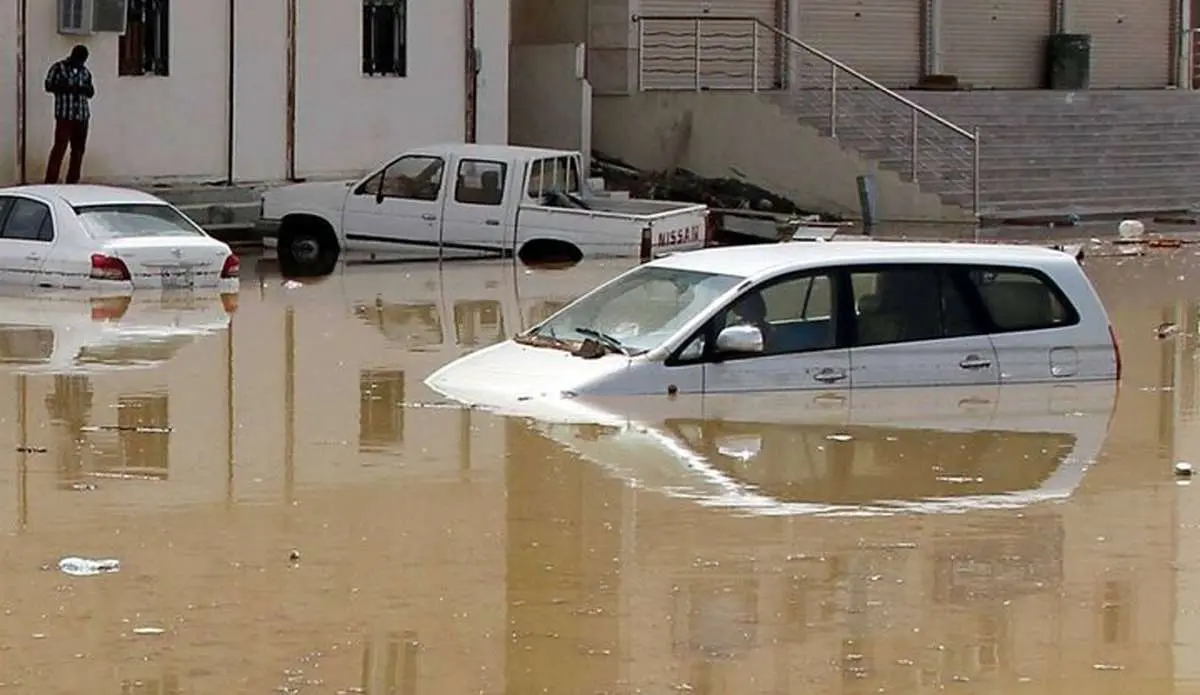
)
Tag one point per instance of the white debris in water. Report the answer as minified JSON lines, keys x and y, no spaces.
{"x":148,"y":630}
{"x":839,"y":437}
{"x":1183,"y":468}
{"x":1108,"y":667}
{"x":83,"y":567}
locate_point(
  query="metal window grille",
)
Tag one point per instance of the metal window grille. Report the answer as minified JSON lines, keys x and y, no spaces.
{"x":144,"y":47}
{"x":385,"y":37}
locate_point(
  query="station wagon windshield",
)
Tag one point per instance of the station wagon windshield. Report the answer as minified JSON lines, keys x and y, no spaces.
{"x":639,"y":311}
{"x":134,"y":220}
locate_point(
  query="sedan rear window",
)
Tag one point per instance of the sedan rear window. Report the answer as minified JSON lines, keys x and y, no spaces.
{"x":134,"y":220}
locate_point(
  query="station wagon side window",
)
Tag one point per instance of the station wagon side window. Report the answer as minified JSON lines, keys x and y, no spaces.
{"x":480,"y":182}
{"x":411,"y":177}
{"x":795,"y":314}
{"x":560,"y":174}
{"x":1021,"y":299}
{"x":23,"y":219}
{"x":903,"y":304}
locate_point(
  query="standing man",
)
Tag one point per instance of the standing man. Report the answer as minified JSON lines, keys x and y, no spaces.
{"x":70,"y":82}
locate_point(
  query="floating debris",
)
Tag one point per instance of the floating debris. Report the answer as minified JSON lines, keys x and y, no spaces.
{"x":1108,"y":667}
{"x":839,"y":438}
{"x":148,"y":630}
{"x":31,"y":450}
{"x":83,"y":567}
{"x":1165,"y":330}
{"x":1183,"y":469}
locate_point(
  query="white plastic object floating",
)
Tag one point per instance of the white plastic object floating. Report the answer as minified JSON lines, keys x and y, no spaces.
{"x":83,"y":567}
{"x":1131,"y":229}
{"x":148,"y":630}
{"x":1183,"y":469}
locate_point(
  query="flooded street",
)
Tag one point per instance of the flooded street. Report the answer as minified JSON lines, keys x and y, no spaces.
{"x":293,"y":511}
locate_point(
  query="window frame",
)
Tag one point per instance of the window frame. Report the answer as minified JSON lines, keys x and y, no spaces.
{"x":956,"y":273}
{"x":6,"y":213}
{"x":373,"y":184}
{"x":144,"y":50}
{"x":1074,"y":318}
{"x":708,"y":330}
{"x":369,"y":45}
{"x":458,"y":181}
{"x":539,"y":165}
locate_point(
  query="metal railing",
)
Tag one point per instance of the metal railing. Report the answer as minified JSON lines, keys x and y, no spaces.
{"x":707,"y":52}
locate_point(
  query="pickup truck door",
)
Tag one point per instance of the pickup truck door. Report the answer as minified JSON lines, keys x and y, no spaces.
{"x":476,"y":218}
{"x":397,"y":211}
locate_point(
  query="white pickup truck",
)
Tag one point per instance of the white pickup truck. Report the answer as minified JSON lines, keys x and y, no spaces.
{"x":471,"y":201}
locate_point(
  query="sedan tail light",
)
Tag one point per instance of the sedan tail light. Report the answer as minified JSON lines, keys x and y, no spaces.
{"x":109,"y":268}
{"x":232,"y":267}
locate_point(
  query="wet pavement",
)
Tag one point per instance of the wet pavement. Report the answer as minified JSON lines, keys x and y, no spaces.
{"x":294,"y":512}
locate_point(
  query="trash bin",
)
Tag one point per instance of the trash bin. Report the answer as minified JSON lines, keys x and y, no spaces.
{"x":1068,"y":61}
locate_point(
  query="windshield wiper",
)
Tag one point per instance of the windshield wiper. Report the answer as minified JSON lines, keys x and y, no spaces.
{"x":605,"y":339}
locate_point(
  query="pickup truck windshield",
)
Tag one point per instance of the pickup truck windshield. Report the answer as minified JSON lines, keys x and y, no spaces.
{"x":640,"y":311}
{"x":134,"y":220}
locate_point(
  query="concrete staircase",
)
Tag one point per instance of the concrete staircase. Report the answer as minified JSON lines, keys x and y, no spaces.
{"x":1087,"y":153}
{"x":1042,"y":153}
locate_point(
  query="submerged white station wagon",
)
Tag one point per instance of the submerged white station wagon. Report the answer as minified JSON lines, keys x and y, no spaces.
{"x":807,"y":316}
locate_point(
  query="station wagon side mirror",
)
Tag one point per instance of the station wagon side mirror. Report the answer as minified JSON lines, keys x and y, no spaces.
{"x":741,"y":340}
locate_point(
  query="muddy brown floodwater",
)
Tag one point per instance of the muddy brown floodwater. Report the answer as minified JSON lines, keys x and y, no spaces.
{"x":294,"y":512}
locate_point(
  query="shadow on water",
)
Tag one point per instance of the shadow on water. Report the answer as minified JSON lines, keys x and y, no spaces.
{"x":295,"y":512}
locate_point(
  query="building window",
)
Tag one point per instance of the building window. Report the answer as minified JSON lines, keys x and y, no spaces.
{"x":385,"y":37}
{"x":144,"y":45}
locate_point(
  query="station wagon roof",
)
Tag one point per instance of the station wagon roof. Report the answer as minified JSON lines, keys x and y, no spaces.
{"x":81,"y":195}
{"x":768,"y":259}
{"x":491,"y":151}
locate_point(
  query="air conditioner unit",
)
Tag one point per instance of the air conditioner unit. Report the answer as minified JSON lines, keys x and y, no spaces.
{"x":86,"y":17}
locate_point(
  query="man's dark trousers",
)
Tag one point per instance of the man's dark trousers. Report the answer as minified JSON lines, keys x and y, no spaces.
{"x":72,"y":133}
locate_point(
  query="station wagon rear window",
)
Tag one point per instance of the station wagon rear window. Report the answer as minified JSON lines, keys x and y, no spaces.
{"x":1022,"y":300}
{"x":127,"y":220}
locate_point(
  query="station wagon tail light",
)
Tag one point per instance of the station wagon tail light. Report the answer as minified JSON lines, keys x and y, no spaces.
{"x":232,"y":267}
{"x":1112,"y":334}
{"x":109,"y":268}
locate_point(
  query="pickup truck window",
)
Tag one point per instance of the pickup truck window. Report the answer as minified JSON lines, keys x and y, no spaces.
{"x":553,"y":174}
{"x":412,"y":177}
{"x":480,"y":182}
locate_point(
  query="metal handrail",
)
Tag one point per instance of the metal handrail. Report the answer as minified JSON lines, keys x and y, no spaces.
{"x":917,"y":110}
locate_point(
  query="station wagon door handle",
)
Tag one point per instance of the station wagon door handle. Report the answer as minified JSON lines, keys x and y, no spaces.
{"x":429,"y":217}
{"x":829,"y":375}
{"x":974,"y":362}
{"x":34,"y":257}
{"x":492,"y":223}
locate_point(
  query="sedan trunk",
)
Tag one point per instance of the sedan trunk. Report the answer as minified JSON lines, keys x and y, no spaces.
{"x":162,"y":262}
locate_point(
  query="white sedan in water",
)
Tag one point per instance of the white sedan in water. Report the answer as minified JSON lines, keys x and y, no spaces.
{"x":106,"y":240}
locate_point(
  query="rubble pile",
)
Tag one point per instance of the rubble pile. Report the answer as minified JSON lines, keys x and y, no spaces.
{"x":685,"y":186}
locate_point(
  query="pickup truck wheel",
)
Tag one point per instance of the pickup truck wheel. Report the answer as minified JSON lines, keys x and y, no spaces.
{"x":549,"y":252}
{"x":307,"y":247}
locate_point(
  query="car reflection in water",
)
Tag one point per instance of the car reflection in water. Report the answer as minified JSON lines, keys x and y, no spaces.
{"x":61,"y":335}
{"x":1024,"y":444}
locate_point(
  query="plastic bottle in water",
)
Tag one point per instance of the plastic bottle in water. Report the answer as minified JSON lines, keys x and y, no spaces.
{"x":83,"y":567}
